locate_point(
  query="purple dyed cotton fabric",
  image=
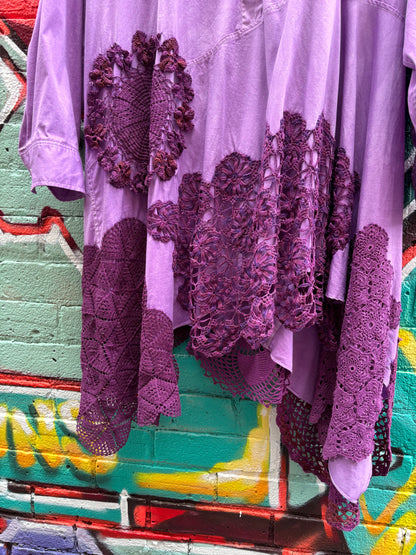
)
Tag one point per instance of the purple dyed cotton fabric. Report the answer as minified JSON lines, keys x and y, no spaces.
{"x":243,"y":176}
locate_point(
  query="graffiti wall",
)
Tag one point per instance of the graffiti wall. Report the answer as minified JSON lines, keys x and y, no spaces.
{"x":212,"y":481}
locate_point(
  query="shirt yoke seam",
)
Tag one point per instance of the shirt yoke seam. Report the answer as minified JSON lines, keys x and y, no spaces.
{"x":387,"y":7}
{"x":237,"y":34}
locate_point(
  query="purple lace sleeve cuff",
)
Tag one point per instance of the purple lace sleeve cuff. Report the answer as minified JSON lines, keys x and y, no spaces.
{"x":57,"y":166}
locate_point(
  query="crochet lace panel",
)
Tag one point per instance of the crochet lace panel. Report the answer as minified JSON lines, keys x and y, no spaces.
{"x":128,"y":369}
{"x":255,"y":243}
{"x":363,"y":349}
{"x":247,"y":373}
{"x":139,"y":109}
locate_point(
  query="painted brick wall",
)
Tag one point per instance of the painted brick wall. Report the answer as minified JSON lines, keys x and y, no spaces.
{"x":207,"y":482}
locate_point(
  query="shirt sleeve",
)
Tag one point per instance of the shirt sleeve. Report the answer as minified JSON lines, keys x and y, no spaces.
{"x":409,"y":56}
{"x":50,"y":132}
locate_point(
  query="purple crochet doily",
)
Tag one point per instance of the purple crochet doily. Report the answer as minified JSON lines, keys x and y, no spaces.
{"x":255,"y":243}
{"x":139,"y":109}
{"x":128,"y":369}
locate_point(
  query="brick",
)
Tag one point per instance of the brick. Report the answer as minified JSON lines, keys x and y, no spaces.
{"x":69,"y":327}
{"x":404,"y":401}
{"x":234,"y":525}
{"x":9,"y":155}
{"x":35,"y":322}
{"x":408,"y":315}
{"x":17,"y":199}
{"x":40,"y":282}
{"x":44,"y":537}
{"x":197,"y":414}
{"x":19,"y":8}
{"x":398,"y":476}
{"x":377,"y":500}
{"x":32,"y":248}
{"x":140,"y":445}
{"x":192,"y":378}
{"x":295,"y":533}
{"x":41,"y":359}
{"x":196,"y":450}
{"x":242,"y":487}
{"x":403,"y":433}
{"x":170,"y":481}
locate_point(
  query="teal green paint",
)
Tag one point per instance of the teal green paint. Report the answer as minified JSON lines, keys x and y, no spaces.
{"x":18,"y":57}
{"x":404,"y":400}
{"x":10,"y":159}
{"x":192,"y":378}
{"x":198,"y":413}
{"x":395,"y":478}
{"x":139,"y":447}
{"x":408,"y":316}
{"x":198,"y":451}
{"x":123,"y":477}
{"x":38,"y":282}
{"x":69,"y":326}
{"x":51,"y":360}
{"x":32,"y":322}
{"x":17,"y":199}
{"x":404,"y":365}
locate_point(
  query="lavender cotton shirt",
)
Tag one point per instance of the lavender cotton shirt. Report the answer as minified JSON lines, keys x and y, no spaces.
{"x":243,"y":178}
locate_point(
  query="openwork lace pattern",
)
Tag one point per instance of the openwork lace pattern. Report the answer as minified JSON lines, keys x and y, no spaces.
{"x":352,"y":408}
{"x":363,"y":350}
{"x":158,"y":391}
{"x":128,"y":369}
{"x":162,"y":221}
{"x":248,"y":372}
{"x":112,"y":289}
{"x":341,"y":513}
{"x":139,"y":109}
{"x":255,"y":243}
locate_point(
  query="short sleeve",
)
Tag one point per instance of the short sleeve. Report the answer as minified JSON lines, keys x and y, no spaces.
{"x":409,"y":56}
{"x":50,"y":133}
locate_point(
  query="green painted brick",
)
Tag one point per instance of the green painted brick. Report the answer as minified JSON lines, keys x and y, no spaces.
{"x":212,"y":415}
{"x":201,"y":413}
{"x":9,"y":155}
{"x":140,"y":445}
{"x":41,"y":359}
{"x":17,"y":199}
{"x":397,"y":477}
{"x":403,"y":433}
{"x":122,"y":476}
{"x":36,"y":322}
{"x":404,"y":400}
{"x":29,"y":249}
{"x":408,"y":315}
{"x":200,"y":451}
{"x":69,"y":327}
{"x":147,"y":472}
{"x":38,"y":282}
{"x":192,"y":378}
{"x":378,"y":499}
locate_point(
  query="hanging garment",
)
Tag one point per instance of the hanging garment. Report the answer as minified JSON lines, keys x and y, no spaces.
{"x":243,"y":177}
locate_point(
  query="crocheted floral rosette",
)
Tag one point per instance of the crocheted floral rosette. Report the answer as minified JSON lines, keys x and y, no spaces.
{"x":138,"y":110}
{"x":255,"y":243}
